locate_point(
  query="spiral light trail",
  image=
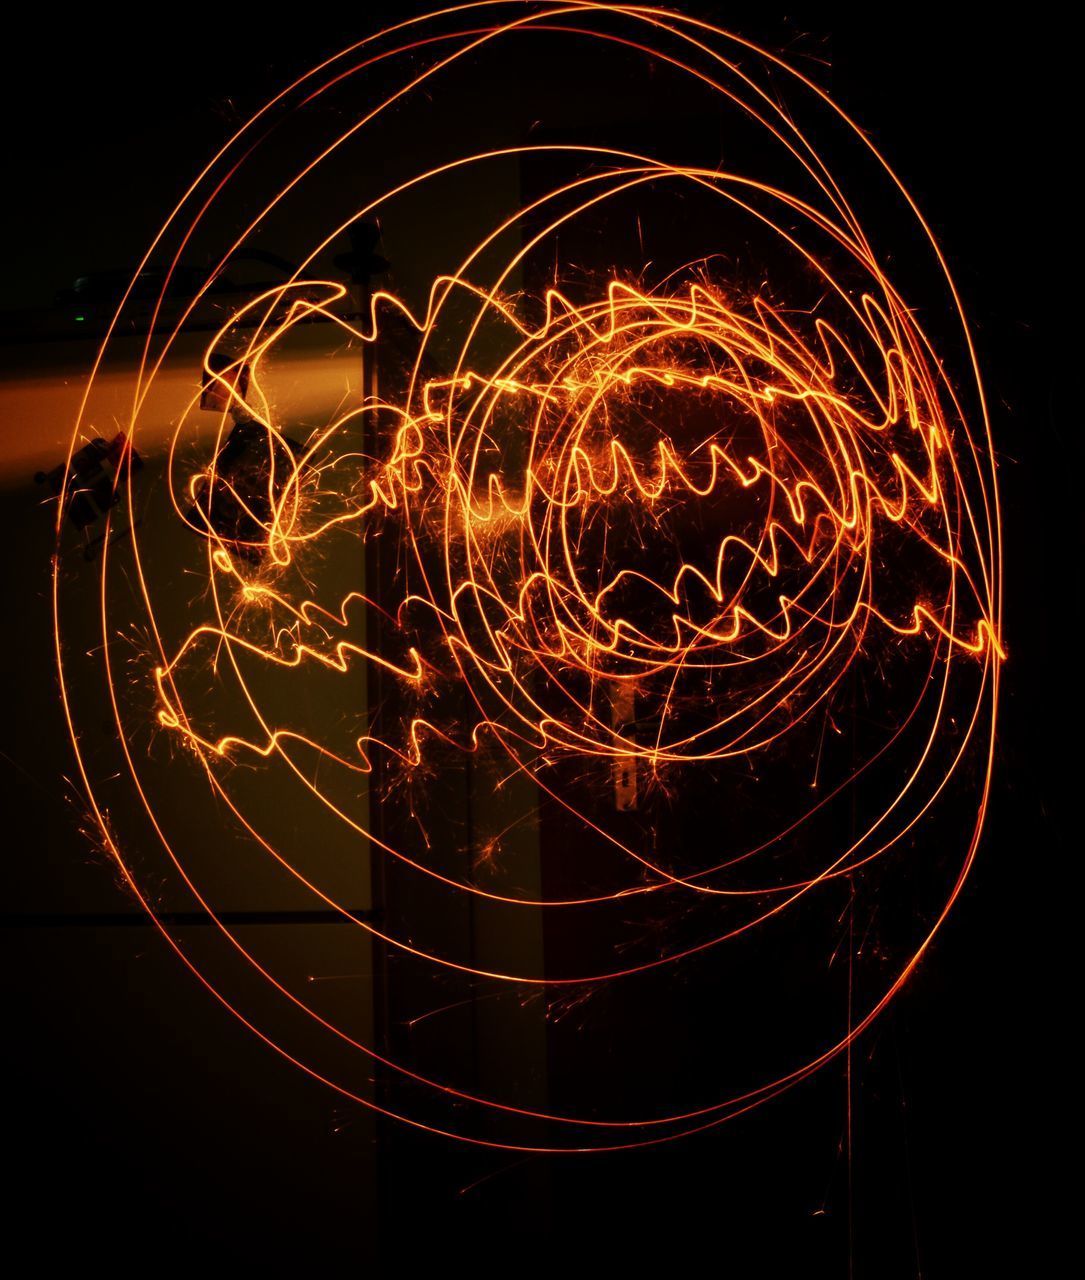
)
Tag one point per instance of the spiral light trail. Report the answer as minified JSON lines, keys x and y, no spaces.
{"x":649,"y":529}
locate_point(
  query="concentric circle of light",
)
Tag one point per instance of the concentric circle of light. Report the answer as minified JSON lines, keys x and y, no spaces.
{"x":552,"y":505}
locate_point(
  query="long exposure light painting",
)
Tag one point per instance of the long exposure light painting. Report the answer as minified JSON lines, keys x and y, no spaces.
{"x":719,"y":535}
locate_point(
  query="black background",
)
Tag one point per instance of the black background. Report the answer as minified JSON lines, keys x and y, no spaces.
{"x":963,"y":1146}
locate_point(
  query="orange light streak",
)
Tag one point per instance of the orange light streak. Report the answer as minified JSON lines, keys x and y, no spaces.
{"x":535,"y":495}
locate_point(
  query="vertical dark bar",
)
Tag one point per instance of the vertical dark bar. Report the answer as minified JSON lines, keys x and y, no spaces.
{"x":360,"y":265}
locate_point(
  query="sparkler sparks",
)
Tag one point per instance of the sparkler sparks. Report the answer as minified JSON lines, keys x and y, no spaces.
{"x":645,"y":529}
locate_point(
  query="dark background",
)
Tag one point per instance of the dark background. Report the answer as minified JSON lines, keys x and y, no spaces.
{"x":143,"y":1125}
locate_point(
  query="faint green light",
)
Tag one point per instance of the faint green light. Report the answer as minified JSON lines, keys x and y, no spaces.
{"x":80,"y":317}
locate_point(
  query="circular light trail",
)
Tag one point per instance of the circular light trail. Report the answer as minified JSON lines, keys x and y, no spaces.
{"x":650,"y":528}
